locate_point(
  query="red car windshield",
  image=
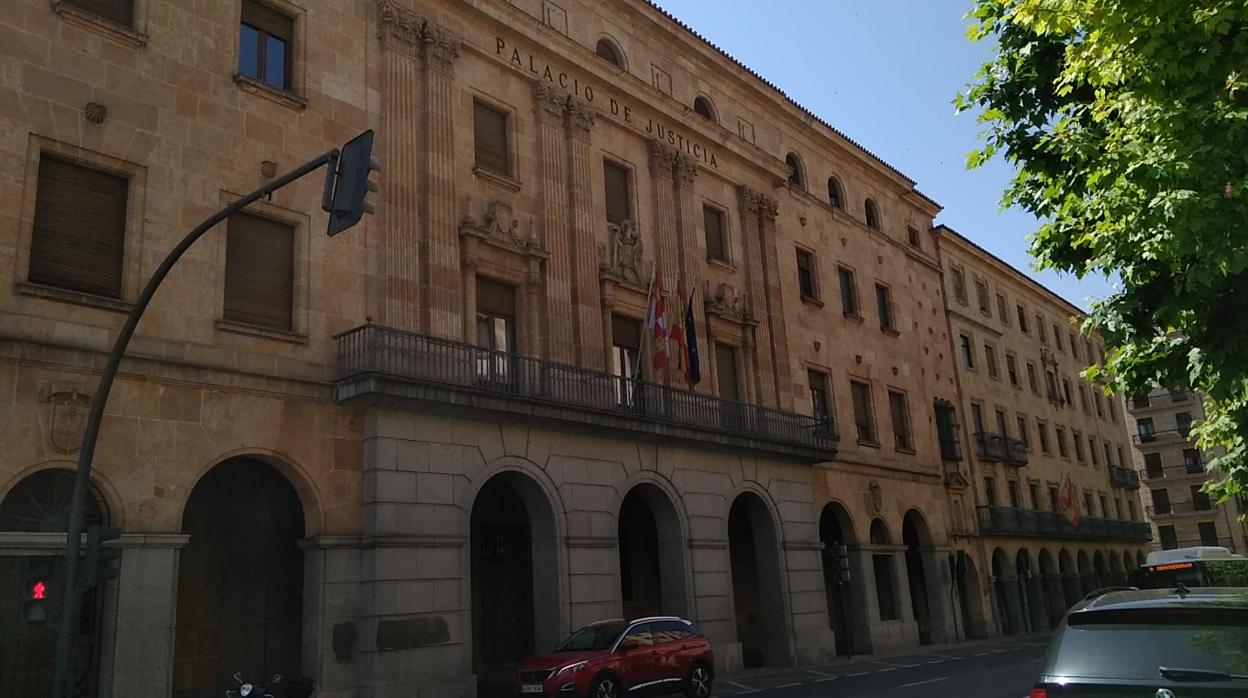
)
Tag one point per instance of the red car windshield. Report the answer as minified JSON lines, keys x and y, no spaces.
{"x":592,"y":638}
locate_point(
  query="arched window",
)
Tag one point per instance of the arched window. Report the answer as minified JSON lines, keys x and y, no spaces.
{"x":795,"y":170}
{"x":835,"y":196}
{"x":702,"y":107}
{"x":873,"y":214}
{"x":40,"y":504}
{"x":608,"y":52}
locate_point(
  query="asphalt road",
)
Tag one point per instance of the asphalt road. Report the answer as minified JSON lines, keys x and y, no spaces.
{"x":1003,"y":668}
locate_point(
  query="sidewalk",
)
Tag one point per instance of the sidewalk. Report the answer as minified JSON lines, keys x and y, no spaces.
{"x":764,"y":672}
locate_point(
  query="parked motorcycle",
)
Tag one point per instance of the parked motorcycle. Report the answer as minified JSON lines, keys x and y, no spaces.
{"x":246,"y":689}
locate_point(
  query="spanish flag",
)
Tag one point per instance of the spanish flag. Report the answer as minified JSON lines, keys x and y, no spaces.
{"x":1069,"y":501}
{"x":656,"y":324}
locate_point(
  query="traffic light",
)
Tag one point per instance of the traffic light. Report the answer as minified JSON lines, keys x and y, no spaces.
{"x":37,"y":588}
{"x":348,"y":184}
{"x":101,"y":563}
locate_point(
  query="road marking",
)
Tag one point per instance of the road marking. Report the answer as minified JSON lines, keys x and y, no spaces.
{"x":937,"y":661}
{"x":826,"y":678}
{"x":981,"y":654}
{"x":920,"y":683}
{"x":789,"y":685}
{"x":745,"y":689}
{"x":907,"y":666}
{"x":858,"y":673}
{"x":881,"y":671}
{"x":816,"y":672}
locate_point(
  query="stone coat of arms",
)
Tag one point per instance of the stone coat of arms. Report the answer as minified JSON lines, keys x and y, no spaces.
{"x":68,"y":416}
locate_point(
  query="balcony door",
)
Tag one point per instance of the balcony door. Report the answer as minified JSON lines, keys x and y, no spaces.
{"x":729,"y":383}
{"x":625,"y":348}
{"x":496,"y":331}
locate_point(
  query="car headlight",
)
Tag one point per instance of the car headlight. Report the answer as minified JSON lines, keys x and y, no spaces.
{"x":571,"y":668}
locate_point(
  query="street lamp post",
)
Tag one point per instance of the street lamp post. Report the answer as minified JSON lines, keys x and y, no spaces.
{"x":346,"y":186}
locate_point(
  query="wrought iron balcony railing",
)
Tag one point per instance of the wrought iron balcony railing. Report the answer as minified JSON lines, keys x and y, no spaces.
{"x":1013,"y":521}
{"x":1174,"y":471}
{"x":1180,"y":508}
{"x":1164,"y":436}
{"x":1124,"y":477}
{"x":379,"y":360}
{"x":999,"y":448}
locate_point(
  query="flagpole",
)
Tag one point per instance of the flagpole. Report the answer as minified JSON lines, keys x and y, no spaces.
{"x":644,"y":335}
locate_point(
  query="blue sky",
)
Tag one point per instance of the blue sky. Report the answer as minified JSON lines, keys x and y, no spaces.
{"x":884,"y":72}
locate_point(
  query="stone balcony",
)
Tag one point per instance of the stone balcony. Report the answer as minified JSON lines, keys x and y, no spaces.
{"x":1124,"y":477}
{"x":1187,"y":472}
{"x":1199,"y":507}
{"x":1000,"y":448}
{"x":1167,"y":436}
{"x":381,"y":365}
{"x":1013,"y":521}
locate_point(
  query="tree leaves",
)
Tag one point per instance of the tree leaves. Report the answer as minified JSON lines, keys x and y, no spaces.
{"x":1127,"y":121}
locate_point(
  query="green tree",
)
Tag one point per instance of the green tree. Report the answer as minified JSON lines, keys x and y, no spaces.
{"x":1127,"y":123}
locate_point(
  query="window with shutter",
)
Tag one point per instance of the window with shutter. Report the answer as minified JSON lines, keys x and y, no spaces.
{"x":806,"y":275}
{"x":618,"y":191}
{"x":863,"y":418}
{"x":490,"y":138}
{"x":119,"y":11}
{"x":265,"y":40}
{"x":79,"y":234}
{"x":849,"y":291}
{"x":726,"y":366}
{"x":900,"y":412}
{"x":259,"y":272}
{"x":713,"y":222}
{"x":884,"y":304}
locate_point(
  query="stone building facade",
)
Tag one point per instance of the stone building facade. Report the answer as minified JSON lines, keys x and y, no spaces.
{"x":1036,"y":431}
{"x":399,"y":459}
{"x":1173,"y":470}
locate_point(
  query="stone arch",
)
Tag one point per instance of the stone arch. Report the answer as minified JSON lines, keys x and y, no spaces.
{"x":1070,"y":577}
{"x":796,"y":168}
{"x":836,"y":527}
{"x":920,"y":575}
{"x":608,"y":49}
{"x":1035,"y":610}
{"x":514,"y":535}
{"x":1051,"y":581}
{"x":758,"y":573}
{"x":1087,"y":582}
{"x":1117,"y":573}
{"x":1100,"y":569}
{"x":705,"y":108}
{"x":243,"y":513}
{"x":836,"y":193}
{"x":1008,"y":602}
{"x":871,"y":214}
{"x":887,"y":604}
{"x":652,"y":531}
{"x":296,"y":476}
{"x":55,"y":479}
{"x":970,"y":594}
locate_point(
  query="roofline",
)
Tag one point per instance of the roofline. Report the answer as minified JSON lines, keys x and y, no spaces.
{"x":1044,"y":290}
{"x":818,"y":119}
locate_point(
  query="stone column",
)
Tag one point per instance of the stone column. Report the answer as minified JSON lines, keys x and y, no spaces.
{"x":585,"y":290}
{"x":746,"y":370}
{"x":532,"y":310}
{"x":401,"y":123}
{"x":145,"y":593}
{"x":549,"y":104}
{"x":439,"y":256}
{"x":690,"y":255}
{"x":763,"y":386}
{"x":863,"y":607}
{"x":662,"y":160}
{"x":941,"y":605}
{"x":773,"y":304}
{"x":1055,"y":599}
{"x":468,"y":270}
{"x":1011,"y":604}
{"x":331,"y":593}
{"x":1037,"y":603}
{"x":813,"y":641}
{"x":608,"y":333}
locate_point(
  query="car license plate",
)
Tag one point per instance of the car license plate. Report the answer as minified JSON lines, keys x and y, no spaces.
{"x":532,"y":688}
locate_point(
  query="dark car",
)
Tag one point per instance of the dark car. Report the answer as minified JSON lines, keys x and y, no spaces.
{"x":1153,"y":643}
{"x":612,"y":658}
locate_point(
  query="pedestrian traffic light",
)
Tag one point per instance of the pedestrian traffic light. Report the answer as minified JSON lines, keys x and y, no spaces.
{"x":35,"y":591}
{"x":102,"y":563}
{"x":347,"y":184}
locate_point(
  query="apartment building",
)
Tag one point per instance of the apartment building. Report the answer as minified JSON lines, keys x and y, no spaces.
{"x":1055,"y":506}
{"x":1173,"y":471}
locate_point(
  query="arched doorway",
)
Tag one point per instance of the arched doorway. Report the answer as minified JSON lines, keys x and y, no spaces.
{"x":39,"y":503}
{"x":882,"y":571}
{"x":1051,"y":580}
{"x":1005,"y":588}
{"x":1035,"y":614}
{"x":515,"y":579}
{"x":240,"y":580}
{"x":915,"y":536}
{"x":1087,"y":581}
{"x":1070,"y":578}
{"x":652,"y":570}
{"x":1117,"y":575}
{"x":836,"y":528}
{"x":758,"y":595}
{"x":1100,"y":570}
{"x":970,"y":594}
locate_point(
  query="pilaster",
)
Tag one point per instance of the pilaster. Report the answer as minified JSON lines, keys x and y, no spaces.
{"x":439,"y":250}
{"x":691,"y":253}
{"x":662,"y":160}
{"x":579,"y":119}
{"x":549,"y":105}
{"x":759,"y":374}
{"x":778,"y":334}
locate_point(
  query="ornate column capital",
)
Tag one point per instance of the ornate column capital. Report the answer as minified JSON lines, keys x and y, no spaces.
{"x":440,"y":46}
{"x":549,"y":100}
{"x":662,"y":158}
{"x":398,"y":28}
{"x":747,"y":198}
{"x":768,"y":207}
{"x":686,"y":168}
{"x":579,"y":116}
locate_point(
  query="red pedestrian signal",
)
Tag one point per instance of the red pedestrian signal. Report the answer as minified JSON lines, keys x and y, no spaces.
{"x":38,"y":591}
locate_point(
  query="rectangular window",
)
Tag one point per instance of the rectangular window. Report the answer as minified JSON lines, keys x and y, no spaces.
{"x":625,"y":349}
{"x":1060,"y":434}
{"x":968,"y":352}
{"x":959,"y":285}
{"x":1200,"y":499}
{"x":1131,"y":509}
{"x":990,"y":359}
{"x":1040,"y":331}
{"x":1121,"y":461}
{"x":1011,"y":368}
{"x":1031,"y":378}
{"x":1105,"y":513}
{"x":1096,"y":397}
{"x":1050,"y":386}
{"x":1208,"y":532}
{"x":619,"y":192}
{"x":1042,"y":430}
{"x":990,"y":492}
{"x":726,"y":372}
{"x":713,"y":226}
{"x":1183,"y":422}
{"x":1074,"y":346}
{"x":882,"y":565}
{"x":1096,"y":460}
{"x":819,"y":405}
{"x":1152,"y":465}
{"x":1057,"y":337}
{"x":496,"y":330}
{"x":1077,"y":438}
{"x":884,"y":303}
{"x":1087,"y":504}
{"x":79,"y":234}
{"x":1161,"y":500}
{"x":806,"y":275}
{"x":900,"y":412}
{"x":1066,"y":390}
{"x":1022,"y":318}
{"x":264,"y":44}
{"x":1169,"y":541}
{"x":1109,"y":455}
{"x":947,"y":431}
{"x":1083,"y":398}
{"x":259,"y":272}
{"x":1034,"y":489}
{"x":117,"y":11}
{"x":1002,"y":314}
{"x":863,"y":418}
{"x":849,"y":291}
{"x":1191,"y":460}
{"x":1012,"y":489}
{"x":1022,"y":431}
{"x":913,"y":234}
{"x":489,"y":132}
{"x":1147,"y":432}
{"x":1002,"y":428}
{"x":981,"y":295}
{"x":1054,"y":499}
{"x":977,"y":417}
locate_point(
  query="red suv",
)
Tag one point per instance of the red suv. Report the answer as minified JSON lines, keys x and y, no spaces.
{"x":611,"y":658}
